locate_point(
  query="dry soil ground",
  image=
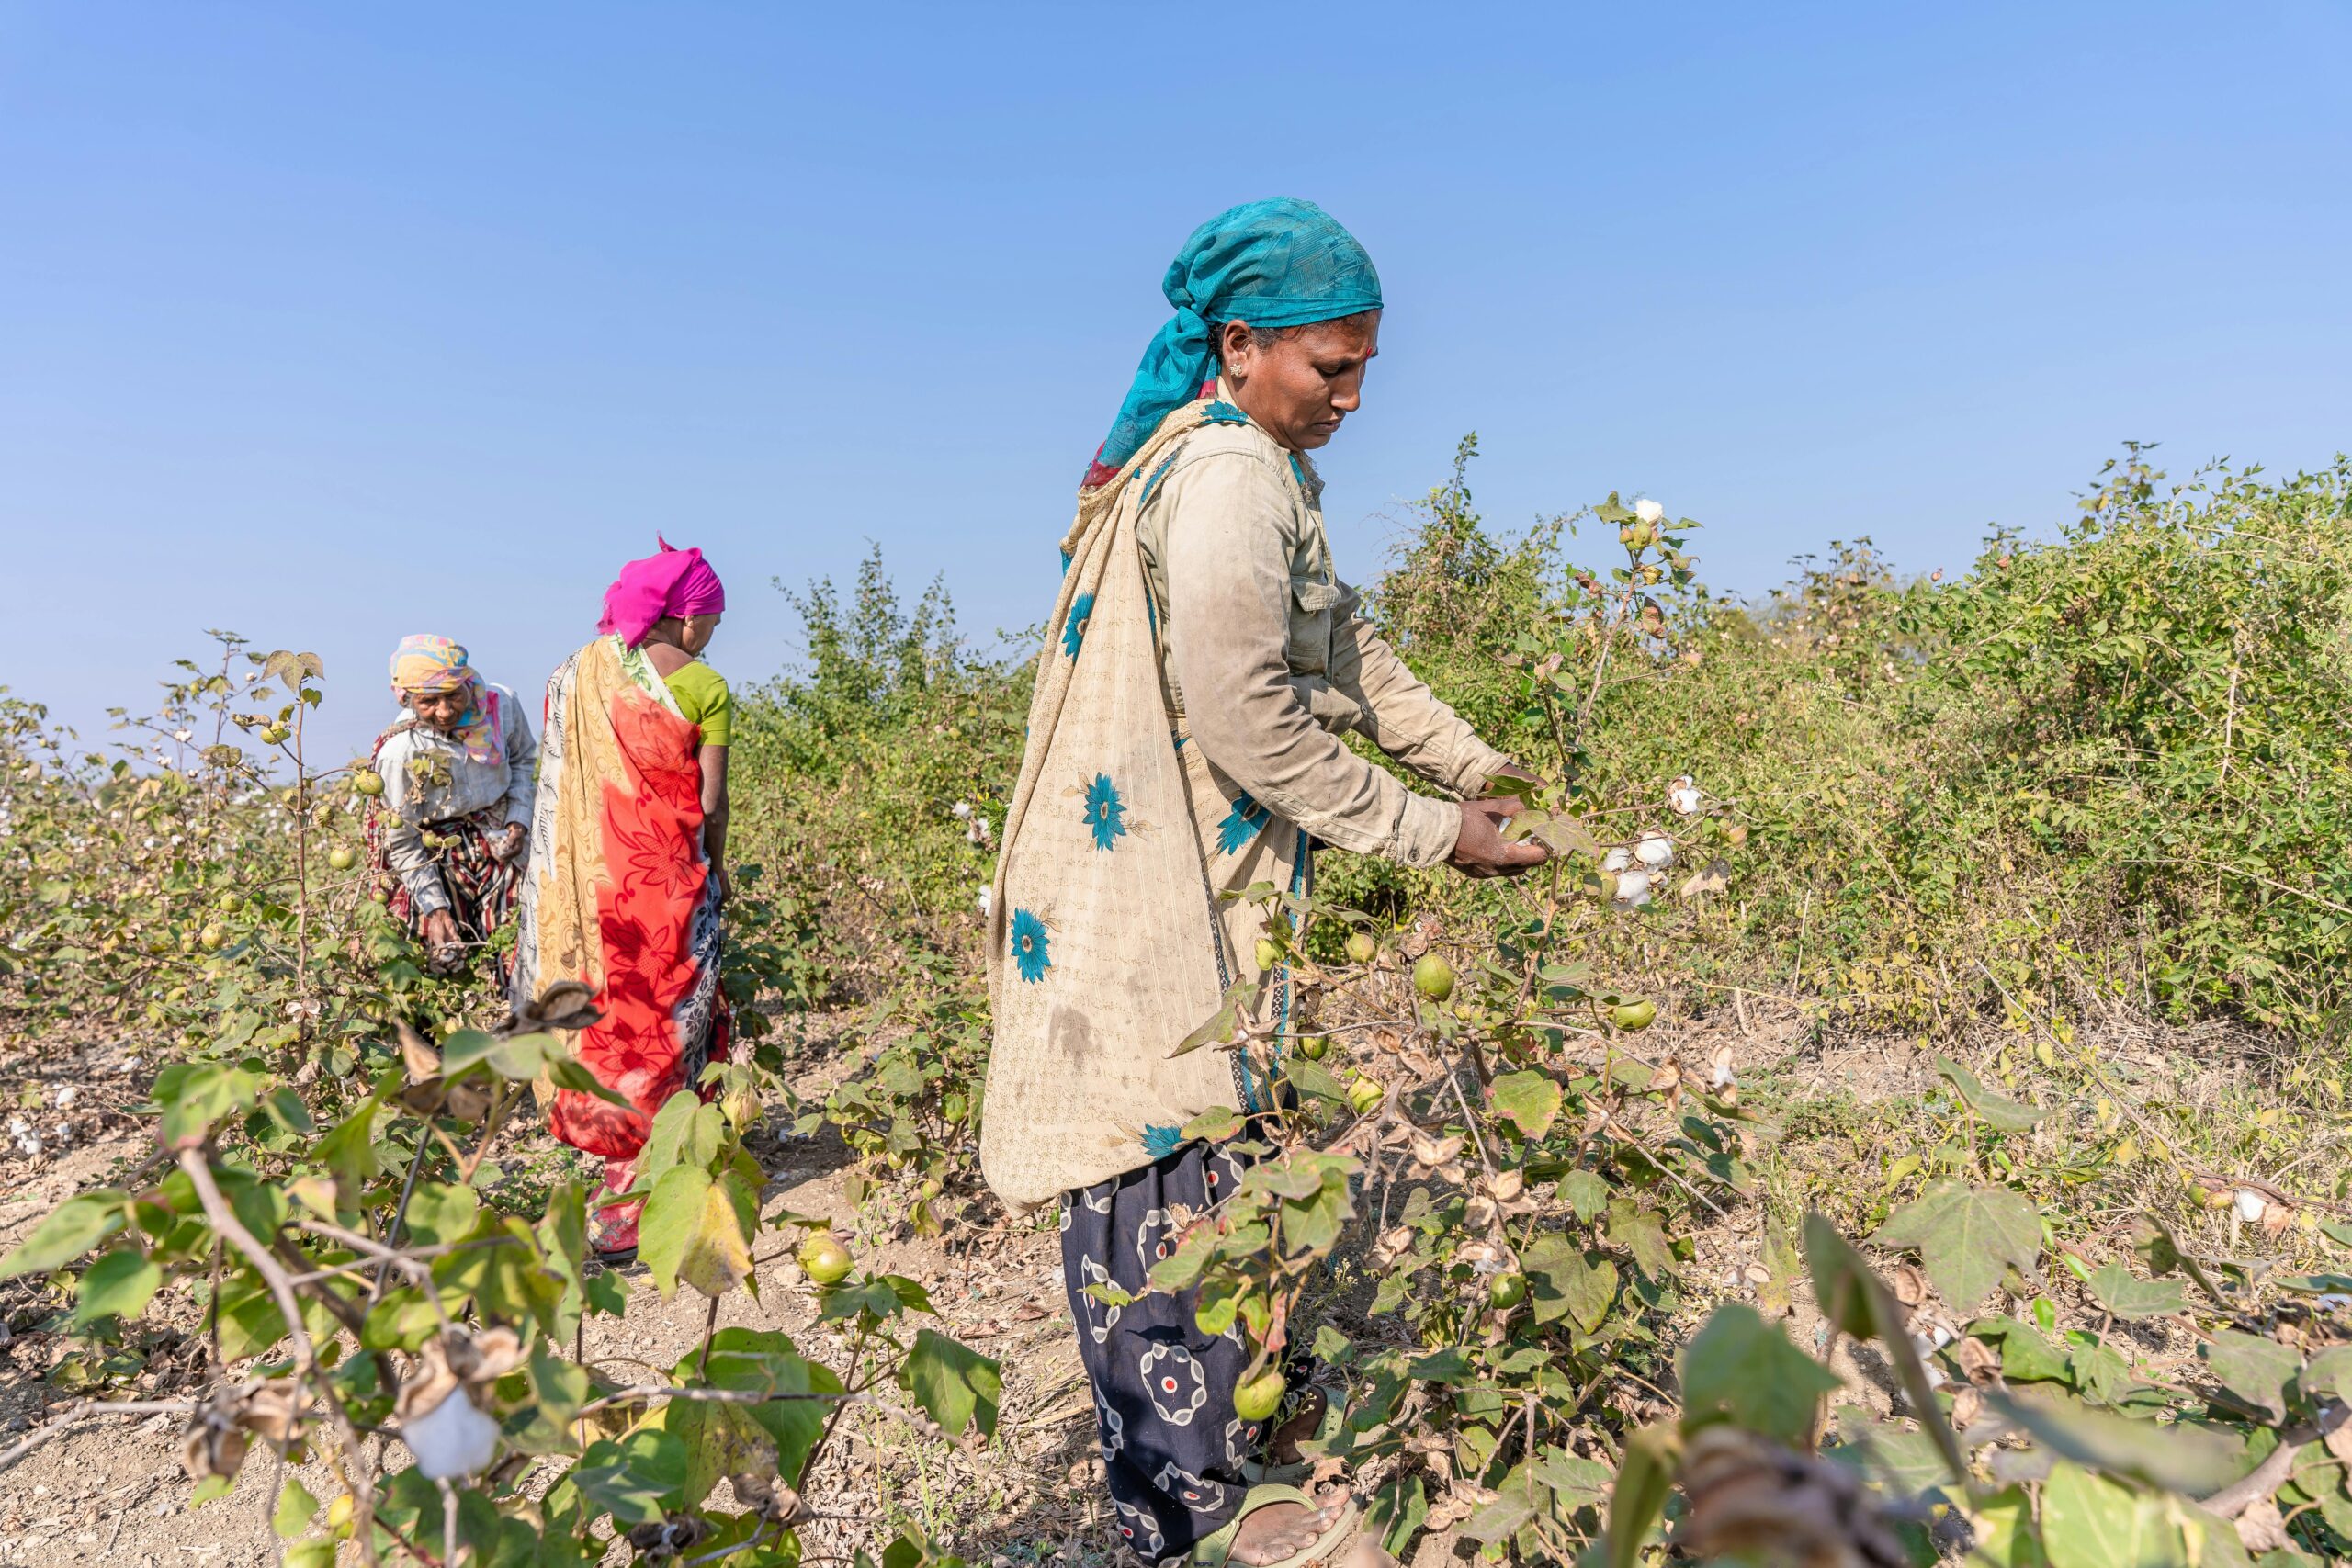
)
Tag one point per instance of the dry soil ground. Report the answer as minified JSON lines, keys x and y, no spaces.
{"x":115,"y":1493}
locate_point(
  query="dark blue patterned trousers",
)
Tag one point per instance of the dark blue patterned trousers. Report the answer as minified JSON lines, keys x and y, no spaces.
{"x":1172,"y":1447}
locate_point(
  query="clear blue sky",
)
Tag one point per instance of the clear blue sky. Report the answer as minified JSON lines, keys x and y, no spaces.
{"x":331,"y":323}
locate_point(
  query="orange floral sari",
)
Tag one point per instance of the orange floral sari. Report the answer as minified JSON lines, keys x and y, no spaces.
{"x":620,"y":898}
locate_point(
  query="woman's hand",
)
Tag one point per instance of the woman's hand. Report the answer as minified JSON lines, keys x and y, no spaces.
{"x":441,"y":931}
{"x":1482,"y":850}
{"x":510,"y":844}
{"x":726,"y":885}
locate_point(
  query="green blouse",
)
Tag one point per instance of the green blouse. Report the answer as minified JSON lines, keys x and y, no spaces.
{"x":703,"y":698}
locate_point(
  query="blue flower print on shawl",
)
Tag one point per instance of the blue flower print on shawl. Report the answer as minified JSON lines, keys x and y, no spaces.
{"x":1223,"y":412}
{"x":1029,"y":944}
{"x":1074,"y":629}
{"x":1105,"y":812}
{"x":1240,"y":823}
{"x":1160,"y":1142}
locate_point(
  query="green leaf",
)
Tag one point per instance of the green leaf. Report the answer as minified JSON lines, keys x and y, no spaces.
{"x":1499,"y":1520}
{"x":1965,"y":1237}
{"x":955,"y":1385}
{"x":1181,"y":1267}
{"x":2253,"y":1370}
{"x":1584,"y":1192}
{"x":1905,"y":1463}
{"x":2088,"y":1522}
{"x":763,"y":1361}
{"x":1218,"y":1028}
{"x":316,"y":1552}
{"x":690,"y":1231}
{"x":192,"y":1096}
{"x":631,"y":1478}
{"x":1639,"y":1233}
{"x":565,"y":1072}
{"x":1644,"y":1480}
{"x":121,"y":1284}
{"x":2329,"y":1376}
{"x":2026,"y":1356}
{"x":1742,"y":1368}
{"x":295,"y":1507}
{"x":2004,"y":1530}
{"x":1396,"y":1512}
{"x":721,"y":1439}
{"x":1564,"y":1280}
{"x":348,"y":1151}
{"x":2006,"y":1115}
{"x":72,"y":1229}
{"x":2178,"y":1458}
{"x":2116,"y":1289}
{"x":1212,"y":1126}
{"x":666,"y":1137}
{"x":1312,"y":1078}
{"x":1856,"y":1300}
{"x":440,"y":1213}
{"x":1530,"y":1099}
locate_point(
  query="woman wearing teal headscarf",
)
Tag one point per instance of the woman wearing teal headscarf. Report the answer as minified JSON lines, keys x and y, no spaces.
{"x":1203,"y":661}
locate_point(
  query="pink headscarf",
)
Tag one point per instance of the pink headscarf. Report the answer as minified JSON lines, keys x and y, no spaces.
{"x":674,"y":582}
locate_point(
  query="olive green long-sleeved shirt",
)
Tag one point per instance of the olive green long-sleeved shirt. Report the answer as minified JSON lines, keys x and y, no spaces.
{"x":1270,"y":660}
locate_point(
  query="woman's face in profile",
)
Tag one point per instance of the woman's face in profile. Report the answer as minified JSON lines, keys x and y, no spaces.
{"x":1301,"y":385}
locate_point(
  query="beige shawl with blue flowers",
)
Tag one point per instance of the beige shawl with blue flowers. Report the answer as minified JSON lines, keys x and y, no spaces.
{"x":1109,"y":939}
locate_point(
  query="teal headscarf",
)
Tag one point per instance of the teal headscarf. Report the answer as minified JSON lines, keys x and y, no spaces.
{"x":1278,"y":263}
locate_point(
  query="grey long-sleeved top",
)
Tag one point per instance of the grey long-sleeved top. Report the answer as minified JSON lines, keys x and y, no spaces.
{"x":1270,"y":659}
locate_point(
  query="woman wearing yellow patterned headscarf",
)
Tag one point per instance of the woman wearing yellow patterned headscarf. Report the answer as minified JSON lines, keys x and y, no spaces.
{"x":447,"y":838}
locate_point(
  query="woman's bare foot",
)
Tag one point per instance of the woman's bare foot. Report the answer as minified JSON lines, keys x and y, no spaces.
{"x":1284,"y":1529}
{"x":1282,"y":1447}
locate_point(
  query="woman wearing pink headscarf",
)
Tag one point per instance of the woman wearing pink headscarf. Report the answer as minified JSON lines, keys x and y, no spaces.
{"x":629,"y":835}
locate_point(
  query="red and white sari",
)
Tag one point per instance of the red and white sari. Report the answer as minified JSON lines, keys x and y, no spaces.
{"x":620,"y":896}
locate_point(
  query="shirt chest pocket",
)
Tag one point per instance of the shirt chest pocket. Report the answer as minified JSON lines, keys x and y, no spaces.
{"x":1308,"y":647}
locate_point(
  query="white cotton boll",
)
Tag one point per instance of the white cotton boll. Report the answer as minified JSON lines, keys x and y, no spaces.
{"x":1633,"y":889}
{"x":1683,"y":796}
{"x":453,"y":1438}
{"x":129,"y":1065}
{"x":183,"y":736}
{"x":67,"y":1096}
{"x":1617,"y":860}
{"x":1653,"y":850}
{"x":18,"y":1126}
{"x":2249,"y":1204}
{"x":1648,"y":511}
{"x":985,"y":901}
{"x":960,"y":810}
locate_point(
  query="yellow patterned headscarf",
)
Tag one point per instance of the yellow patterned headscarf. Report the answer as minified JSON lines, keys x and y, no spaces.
{"x":426,"y":663}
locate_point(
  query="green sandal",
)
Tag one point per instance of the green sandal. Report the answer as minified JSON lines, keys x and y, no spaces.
{"x":1216,"y":1550}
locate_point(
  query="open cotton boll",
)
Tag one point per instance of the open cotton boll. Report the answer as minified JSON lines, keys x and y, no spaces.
{"x":1653,"y":850}
{"x":985,"y":901}
{"x":1633,"y":889}
{"x":1683,"y":796}
{"x":960,"y":810}
{"x":66,"y":1096}
{"x":453,"y":1438}
{"x":2249,"y":1204}
{"x":1648,"y":511}
{"x":1617,"y":860}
